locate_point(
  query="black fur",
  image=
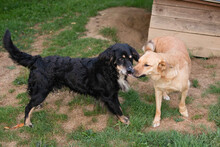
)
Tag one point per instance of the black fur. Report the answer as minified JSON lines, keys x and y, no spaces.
{"x":97,"y":76}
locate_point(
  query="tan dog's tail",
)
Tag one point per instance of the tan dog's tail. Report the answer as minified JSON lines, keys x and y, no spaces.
{"x":149,"y":46}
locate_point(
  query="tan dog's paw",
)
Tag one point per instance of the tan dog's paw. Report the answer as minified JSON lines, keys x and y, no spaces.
{"x":183,"y":112}
{"x":166,"y":97}
{"x":124,"y":119}
{"x":156,"y":123}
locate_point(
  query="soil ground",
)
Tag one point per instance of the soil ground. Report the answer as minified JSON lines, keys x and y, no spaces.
{"x":132,"y":28}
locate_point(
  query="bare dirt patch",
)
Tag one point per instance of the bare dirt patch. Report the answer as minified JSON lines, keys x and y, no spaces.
{"x":131,"y":23}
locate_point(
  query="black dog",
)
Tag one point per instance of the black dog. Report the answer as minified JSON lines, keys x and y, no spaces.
{"x":101,"y":77}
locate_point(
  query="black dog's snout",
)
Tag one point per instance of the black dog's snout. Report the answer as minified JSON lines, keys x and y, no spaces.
{"x":130,"y":70}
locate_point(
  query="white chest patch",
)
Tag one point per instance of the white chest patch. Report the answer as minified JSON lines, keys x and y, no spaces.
{"x":123,"y":83}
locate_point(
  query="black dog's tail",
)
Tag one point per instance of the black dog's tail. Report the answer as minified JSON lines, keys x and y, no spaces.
{"x":18,"y":56}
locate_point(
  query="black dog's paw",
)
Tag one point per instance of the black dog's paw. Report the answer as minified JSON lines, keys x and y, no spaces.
{"x":29,"y":125}
{"x":40,"y":106}
{"x":124,"y":120}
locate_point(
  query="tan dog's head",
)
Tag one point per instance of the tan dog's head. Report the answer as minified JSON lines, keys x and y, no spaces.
{"x":150,"y":64}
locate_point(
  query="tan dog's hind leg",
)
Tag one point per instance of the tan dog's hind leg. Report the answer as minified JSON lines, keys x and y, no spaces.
{"x":158,"y":95}
{"x":165,"y":96}
{"x":182,"y":105}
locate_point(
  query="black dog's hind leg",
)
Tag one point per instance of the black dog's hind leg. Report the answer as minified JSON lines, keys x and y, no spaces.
{"x":35,"y":101}
{"x":113,"y":105}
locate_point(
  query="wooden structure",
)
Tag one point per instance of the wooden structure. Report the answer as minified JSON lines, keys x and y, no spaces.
{"x":195,"y":22}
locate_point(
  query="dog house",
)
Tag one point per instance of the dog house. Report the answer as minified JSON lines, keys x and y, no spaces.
{"x":196,"y":22}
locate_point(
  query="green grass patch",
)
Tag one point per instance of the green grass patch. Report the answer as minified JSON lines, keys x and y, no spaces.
{"x":110,"y":33}
{"x":197,"y":116}
{"x":85,"y":47}
{"x":23,"y":78}
{"x":81,"y":100}
{"x":195,"y":83}
{"x":46,"y":124}
{"x":8,"y":115}
{"x":214,"y":110}
{"x":178,"y":119}
{"x":122,"y":137}
{"x":24,"y":98}
{"x":214,"y":113}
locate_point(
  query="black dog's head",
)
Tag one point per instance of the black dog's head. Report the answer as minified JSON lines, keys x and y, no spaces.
{"x":121,"y":55}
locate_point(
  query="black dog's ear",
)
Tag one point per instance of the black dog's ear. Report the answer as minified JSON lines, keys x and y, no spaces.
{"x":135,"y":54}
{"x":107,"y":55}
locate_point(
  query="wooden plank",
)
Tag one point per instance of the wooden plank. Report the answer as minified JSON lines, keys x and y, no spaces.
{"x":176,"y":24}
{"x":198,"y":45}
{"x":204,"y":2}
{"x":181,"y":3}
{"x":180,"y":12}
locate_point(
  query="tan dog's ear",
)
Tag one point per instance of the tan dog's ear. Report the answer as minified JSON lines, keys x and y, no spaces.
{"x":162,"y":66}
{"x":149,"y":46}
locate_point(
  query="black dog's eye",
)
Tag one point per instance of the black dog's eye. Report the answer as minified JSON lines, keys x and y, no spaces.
{"x":146,"y":65}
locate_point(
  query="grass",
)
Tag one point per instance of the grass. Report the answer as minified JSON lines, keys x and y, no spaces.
{"x":81,"y":100}
{"x":11,"y":67}
{"x":144,"y":79}
{"x":11,"y":90}
{"x":189,"y":100}
{"x":197,"y":116}
{"x":210,"y":66}
{"x":24,"y":98}
{"x":110,"y":33}
{"x":178,"y":119}
{"x":27,"y":19}
{"x":23,"y":78}
{"x":195,"y":83}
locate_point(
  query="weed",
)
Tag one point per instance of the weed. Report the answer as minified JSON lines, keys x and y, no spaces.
{"x":189,"y":100}
{"x":11,"y":67}
{"x":2,"y":96}
{"x":214,"y":74}
{"x":195,"y":83}
{"x":197,"y":116}
{"x":210,"y":66}
{"x":58,"y":103}
{"x":11,"y":90}
{"x":94,"y":120}
{"x":178,"y":119}
{"x":144,"y":79}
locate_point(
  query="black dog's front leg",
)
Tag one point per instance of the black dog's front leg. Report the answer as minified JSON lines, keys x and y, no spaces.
{"x":113,"y":105}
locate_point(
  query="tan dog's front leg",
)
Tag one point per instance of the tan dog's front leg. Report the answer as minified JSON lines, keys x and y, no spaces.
{"x":182,"y":105}
{"x":165,"y":96}
{"x":158,"y":95}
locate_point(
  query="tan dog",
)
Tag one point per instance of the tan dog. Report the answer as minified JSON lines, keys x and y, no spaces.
{"x":167,"y":62}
